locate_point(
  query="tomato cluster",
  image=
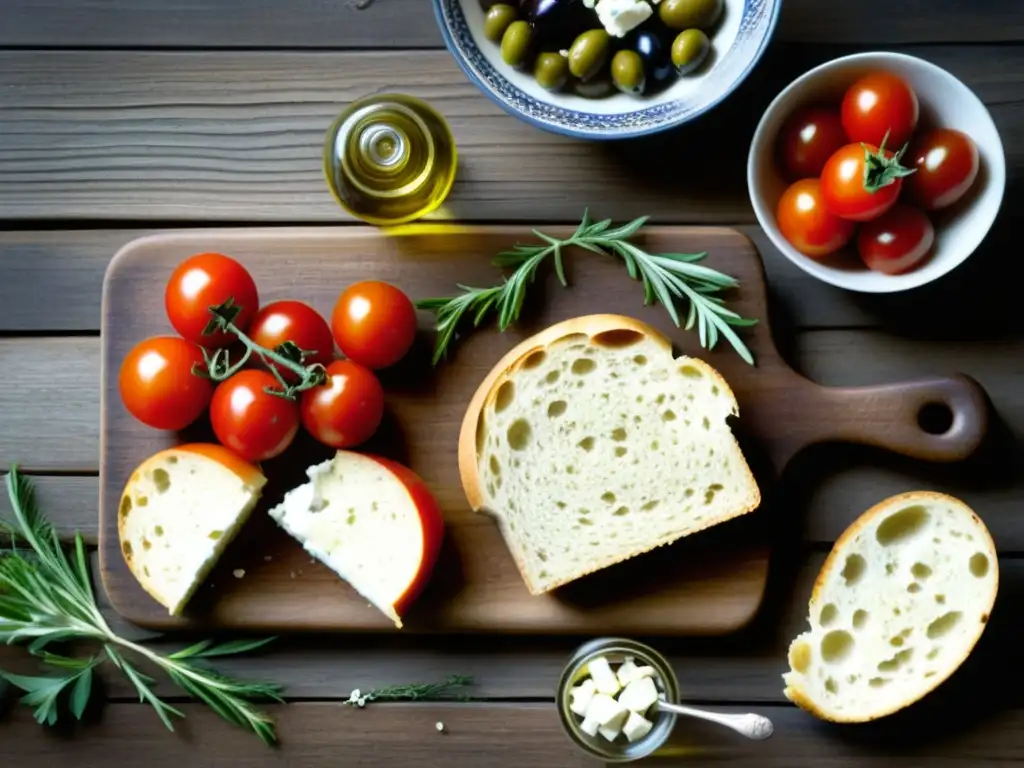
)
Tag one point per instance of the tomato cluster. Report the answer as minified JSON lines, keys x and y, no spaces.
{"x":841,"y":175}
{"x":165,"y":383}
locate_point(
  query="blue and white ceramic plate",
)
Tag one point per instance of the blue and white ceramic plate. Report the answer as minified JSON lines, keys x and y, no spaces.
{"x":739,"y":40}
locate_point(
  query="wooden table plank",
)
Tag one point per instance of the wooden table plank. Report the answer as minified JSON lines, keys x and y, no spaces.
{"x":491,"y":735}
{"x":236,"y":136}
{"x":410,"y":23}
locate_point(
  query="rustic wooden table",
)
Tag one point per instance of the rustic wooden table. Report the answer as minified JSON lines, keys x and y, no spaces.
{"x":119,"y":117}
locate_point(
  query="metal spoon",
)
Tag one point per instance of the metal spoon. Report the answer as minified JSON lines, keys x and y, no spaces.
{"x":750,"y":725}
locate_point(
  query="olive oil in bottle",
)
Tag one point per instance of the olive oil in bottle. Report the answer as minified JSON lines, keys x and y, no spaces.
{"x":389,"y":159}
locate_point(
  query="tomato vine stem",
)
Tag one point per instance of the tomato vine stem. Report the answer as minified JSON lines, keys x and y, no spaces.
{"x":286,"y":355}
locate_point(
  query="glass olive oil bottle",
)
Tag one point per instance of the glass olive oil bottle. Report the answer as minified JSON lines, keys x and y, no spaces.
{"x":389,"y":159}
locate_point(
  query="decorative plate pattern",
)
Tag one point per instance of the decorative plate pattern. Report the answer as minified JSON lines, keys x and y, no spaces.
{"x":756,"y":24}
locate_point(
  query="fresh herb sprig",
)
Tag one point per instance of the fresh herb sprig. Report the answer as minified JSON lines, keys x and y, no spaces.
{"x":414,"y":692}
{"x":46,"y":597}
{"x":287,"y":356}
{"x":666,"y":278}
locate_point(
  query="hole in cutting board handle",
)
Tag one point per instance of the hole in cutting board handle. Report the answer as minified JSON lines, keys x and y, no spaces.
{"x":935,"y":418}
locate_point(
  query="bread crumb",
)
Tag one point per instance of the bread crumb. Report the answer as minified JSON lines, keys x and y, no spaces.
{"x":239,"y":573}
{"x":440,"y":726}
{"x":268,"y":558}
{"x":292,"y":574}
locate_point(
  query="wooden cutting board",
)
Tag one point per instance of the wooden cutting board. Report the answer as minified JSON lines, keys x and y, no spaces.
{"x":712,"y":583}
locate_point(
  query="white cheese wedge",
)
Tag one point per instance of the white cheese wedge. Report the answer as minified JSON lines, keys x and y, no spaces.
{"x":581,"y":695}
{"x":608,"y":712}
{"x":178,"y":511}
{"x":372,"y":522}
{"x":636,"y":727}
{"x":619,"y":17}
{"x":589,"y":726}
{"x":639,"y":695}
{"x":605,"y":679}
{"x":611,"y":734}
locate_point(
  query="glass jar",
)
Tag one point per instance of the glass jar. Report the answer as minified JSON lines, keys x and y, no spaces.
{"x":615,"y":649}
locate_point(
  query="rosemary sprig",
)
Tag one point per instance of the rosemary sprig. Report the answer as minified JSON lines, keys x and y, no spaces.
{"x":666,"y":278}
{"x":414,"y":692}
{"x":46,"y":597}
{"x":287,"y":356}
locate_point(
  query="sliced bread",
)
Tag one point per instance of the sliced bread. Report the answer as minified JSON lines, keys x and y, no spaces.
{"x":898,"y":606}
{"x":179,"y":510}
{"x":372,"y":521}
{"x":590,"y":443}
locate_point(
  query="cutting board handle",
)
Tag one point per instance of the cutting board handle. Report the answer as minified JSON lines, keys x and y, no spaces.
{"x":895,"y":416}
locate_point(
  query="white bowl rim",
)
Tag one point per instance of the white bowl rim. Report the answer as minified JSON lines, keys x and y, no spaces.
{"x":824,"y":272}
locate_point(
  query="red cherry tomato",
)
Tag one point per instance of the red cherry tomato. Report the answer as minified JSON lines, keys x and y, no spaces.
{"x":857,"y":194}
{"x":374,"y":323}
{"x":897,"y":241}
{"x":157,"y":384}
{"x":878,"y":104}
{"x":808,"y":139}
{"x":807,"y":224}
{"x":347,"y":410}
{"x":251,"y":422}
{"x":947,"y":164}
{"x":294,"y":321}
{"x":203,"y":281}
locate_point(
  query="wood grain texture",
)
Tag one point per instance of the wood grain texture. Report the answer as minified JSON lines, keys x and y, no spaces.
{"x":237,"y":136}
{"x":493,"y":735}
{"x":50,"y":282}
{"x":410,"y":23}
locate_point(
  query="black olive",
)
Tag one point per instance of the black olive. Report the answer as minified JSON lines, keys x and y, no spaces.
{"x":656,"y":56}
{"x":556,"y":23}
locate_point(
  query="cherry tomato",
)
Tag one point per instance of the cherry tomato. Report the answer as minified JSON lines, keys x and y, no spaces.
{"x":808,"y":139}
{"x":347,"y":410}
{"x":251,"y":422}
{"x":878,"y":104}
{"x":374,"y":323}
{"x":203,"y":281}
{"x":947,"y":164}
{"x":294,"y":321}
{"x":157,"y":384}
{"x":807,"y":224}
{"x":860,"y":183}
{"x":897,"y":241}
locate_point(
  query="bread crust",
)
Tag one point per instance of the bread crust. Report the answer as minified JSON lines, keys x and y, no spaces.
{"x":248,"y":473}
{"x":798,"y":695}
{"x":510,"y":363}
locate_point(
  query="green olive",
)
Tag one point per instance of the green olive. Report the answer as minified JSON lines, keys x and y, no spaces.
{"x":516,"y":43}
{"x":689,"y":50}
{"x":589,"y":52}
{"x":551,"y":71}
{"x":628,"y":71}
{"x":687,"y":14}
{"x":497,"y":20}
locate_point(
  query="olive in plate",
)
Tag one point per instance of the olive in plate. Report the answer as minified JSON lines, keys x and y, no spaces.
{"x":628,"y":71}
{"x":689,"y":50}
{"x":516,"y":43}
{"x":689,"y":14}
{"x":551,"y":70}
{"x":655,"y":55}
{"x":556,"y":23}
{"x":497,"y":20}
{"x":589,"y":53}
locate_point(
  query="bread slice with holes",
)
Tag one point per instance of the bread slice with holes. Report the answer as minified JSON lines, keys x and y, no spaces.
{"x":591,"y":443}
{"x":179,"y":510}
{"x":898,"y":606}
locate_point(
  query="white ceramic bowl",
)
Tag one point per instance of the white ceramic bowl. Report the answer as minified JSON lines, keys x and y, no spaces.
{"x":740,"y":38}
{"x":945,"y":102}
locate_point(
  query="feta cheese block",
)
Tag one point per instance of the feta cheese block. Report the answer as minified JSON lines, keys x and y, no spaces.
{"x":179,"y":510}
{"x":370,"y":520}
{"x":620,"y":17}
{"x":591,"y":443}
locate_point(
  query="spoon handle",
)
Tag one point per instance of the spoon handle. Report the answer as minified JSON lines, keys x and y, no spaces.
{"x":750,"y":725}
